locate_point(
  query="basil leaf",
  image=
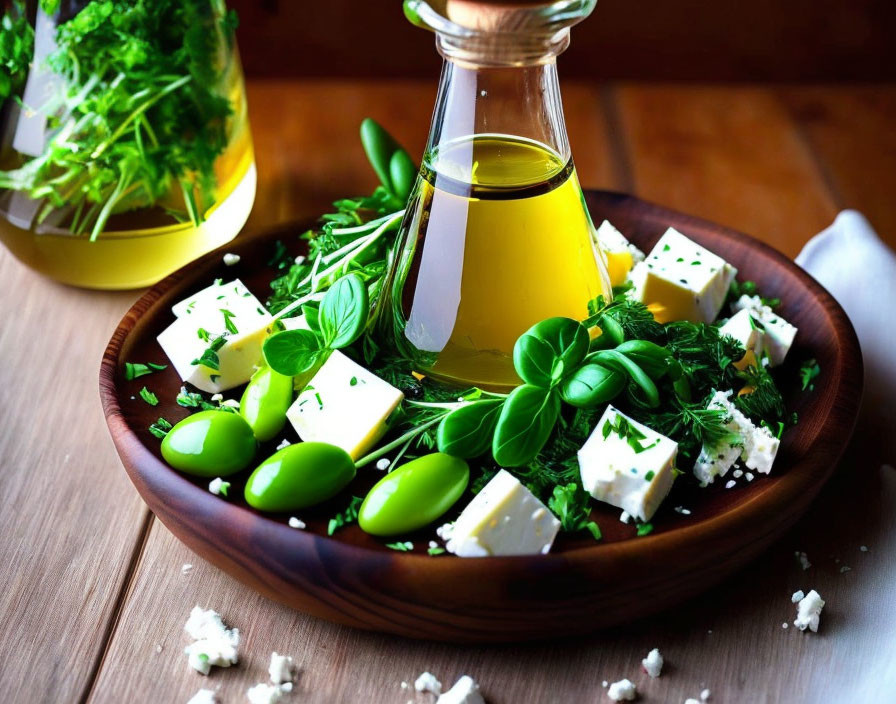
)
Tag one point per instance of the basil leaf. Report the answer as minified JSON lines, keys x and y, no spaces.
{"x":550,"y":349}
{"x":525,"y":424}
{"x":611,"y":333}
{"x":591,"y":385}
{"x":619,"y":362}
{"x":649,"y":356}
{"x":311,"y":313}
{"x":343,"y":312}
{"x":467,"y":432}
{"x":292,"y":352}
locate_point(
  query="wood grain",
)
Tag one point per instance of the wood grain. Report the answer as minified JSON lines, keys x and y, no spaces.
{"x":730,"y":155}
{"x":850,"y":131}
{"x":69,"y":522}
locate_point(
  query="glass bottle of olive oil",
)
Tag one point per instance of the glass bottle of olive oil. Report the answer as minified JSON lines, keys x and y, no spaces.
{"x":497,"y":235}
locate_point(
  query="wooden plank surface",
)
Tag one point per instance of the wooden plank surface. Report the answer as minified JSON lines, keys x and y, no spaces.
{"x":73,"y":529}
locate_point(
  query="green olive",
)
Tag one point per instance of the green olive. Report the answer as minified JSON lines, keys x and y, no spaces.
{"x":299,"y":476}
{"x":265,"y":401}
{"x":414,"y":495}
{"x":210,"y":444}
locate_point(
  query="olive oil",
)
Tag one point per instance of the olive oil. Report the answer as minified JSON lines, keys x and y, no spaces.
{"x":496,"y":238}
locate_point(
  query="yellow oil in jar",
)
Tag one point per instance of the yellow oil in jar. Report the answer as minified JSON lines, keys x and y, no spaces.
{"x":497,"y":239}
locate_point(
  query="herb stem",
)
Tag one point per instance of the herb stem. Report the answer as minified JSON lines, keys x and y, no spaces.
{"x":407,"y":437}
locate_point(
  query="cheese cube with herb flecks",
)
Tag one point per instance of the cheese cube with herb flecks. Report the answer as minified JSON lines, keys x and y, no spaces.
{"x":215,"y":342}
{"x":627,"y":465}
{"x":621,"y":254}
{"x":680,"y":280}
{"x":344,"y":405}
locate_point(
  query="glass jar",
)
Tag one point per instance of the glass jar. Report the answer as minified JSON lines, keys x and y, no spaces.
{"x":496,"y":236}
{"x":125,"y":149}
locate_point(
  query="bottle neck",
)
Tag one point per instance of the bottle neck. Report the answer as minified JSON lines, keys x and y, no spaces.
{"x":522,"y":102}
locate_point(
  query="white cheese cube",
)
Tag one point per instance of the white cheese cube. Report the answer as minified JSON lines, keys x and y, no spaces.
{"x":621,"y":254}
{"x":344,"y":405}
{"x":204,"y":696}
{"x":808,"y":611}
{"x":745,"y":329}
{"x":427,"y":682}
{"x":778,"y":334}
{"x":505,"y":518}
{"x":623,"y":690}
{"x":616,"y":471}
{"x":208,"y":295}
{"x":464,"y":691}
{"x":264,"y":693}
{"x":229,"y":311}
{"x":653,"y":663}
{"x":756,"y":446}
{"x":681,"y":280}
{"x":215,"y":644}
{"x":280,"y":668}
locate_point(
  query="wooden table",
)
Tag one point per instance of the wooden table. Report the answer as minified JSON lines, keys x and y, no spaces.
{"x":92,"y":594}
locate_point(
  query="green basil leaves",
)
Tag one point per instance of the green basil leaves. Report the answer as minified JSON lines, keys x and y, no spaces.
{"x":525,"y":424}
{"x":337,"y":323}
{"x":549,"y":350}
{"x":467,"y":431}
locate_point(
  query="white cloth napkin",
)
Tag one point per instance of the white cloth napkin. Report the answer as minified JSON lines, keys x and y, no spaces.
{"x":859,"y":270}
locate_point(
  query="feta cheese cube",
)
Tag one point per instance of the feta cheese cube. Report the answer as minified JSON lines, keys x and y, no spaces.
{"x":344,"y":405}
{"x":229,"y":311}
{"x":653,"y":663}
{"x":757,"y":447}
{"x":681,"y":280}
{"x":743,"y":327}
{"x":204,"y":696}
{"x":808,"y":611}
{"x":215,"y":644}
{"x":505,"y":518}
{"x":626,"y":464}
{"x":464,"y":691}
{"x":264,"y":693}
{"x":623,"y":690}
{"x":427,"y":682}
{"x":280,"y":668}
{"x":777,"y":333}
{"x":621,"y":254}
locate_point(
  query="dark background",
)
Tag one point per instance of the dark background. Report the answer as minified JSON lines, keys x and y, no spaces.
{"x":702,"y":40}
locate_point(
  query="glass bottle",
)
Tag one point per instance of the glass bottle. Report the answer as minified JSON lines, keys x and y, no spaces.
{"x":152,"y":197}
{"x":496,"y":236}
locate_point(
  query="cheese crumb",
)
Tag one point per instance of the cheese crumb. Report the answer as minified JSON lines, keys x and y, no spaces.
{"x":214,"y":644}
{"x":297,"y":523}
{"x":704,"y":695}
{"x":427,"y":682}
{"x":605,"y":684}
{"x":382,"y":464}
{"x":691,"y":701}
{"x":464,"y":691}
{"x":283,"y":443}
{"x":231,"y":403}
{"x":730,"y":484}
{"x":625,"y":517}
{"x":445,"y":531}
{"x":264,"y":693}
{"x":623,"y":690}
{"x":281,"y":668}
{"x":683,"y":511}
{"x":405,"y":685}
{"x":797,"y":595}
{"x":204,"y":696}
{"x":808,"y":611}
{"x":218,"y":486}
{"x":653,"y":663}
{"x":845,"y":569}
{"x":803,"y":559}
{"x":785,"y":625}
{"x":186,"y":569}
{"x":231,"y":259}
{"x":737,"y":473}
{"x":863,"y":548}
{"x":217,"y":398}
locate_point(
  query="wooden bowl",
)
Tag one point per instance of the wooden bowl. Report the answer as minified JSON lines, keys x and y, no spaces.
{"x":352,"y":578}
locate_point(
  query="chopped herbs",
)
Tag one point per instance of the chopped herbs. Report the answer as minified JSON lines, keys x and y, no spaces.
{"x":160,"y":428}
{"x":572,"y":506}
{"x":435,"y":551}
{"x":403,"y":546}
{"x":228,"y":321}
{"x":149,"y":397}
{"x":628,"y":432}
{"x":134,"y":370}
{"x":209,"y":357}
{"x":344,"y":518}
{"x":809,"y":371}
{"x":645,"y":528}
